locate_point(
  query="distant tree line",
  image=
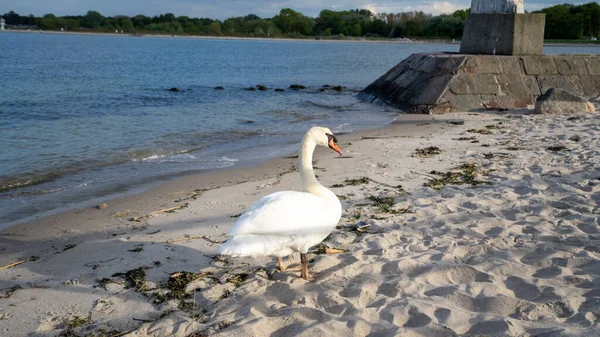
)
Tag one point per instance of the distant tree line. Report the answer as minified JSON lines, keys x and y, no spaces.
{"x":572,"y":22}
{"x":562,"y":22}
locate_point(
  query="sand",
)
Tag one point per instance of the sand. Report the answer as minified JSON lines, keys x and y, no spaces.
{"x":508,"y":245}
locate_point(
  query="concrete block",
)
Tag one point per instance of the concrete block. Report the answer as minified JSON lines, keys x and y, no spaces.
{"x":469,"y":83}
{"x":451,"y":63}
{"x":528,"y":34}
{"x":539,"y":65}
{"x":511,"y":65}
{"x":494,"y":102}
{"x":458,"y":103}
{"x":416,"y":60}
{"x":428,"y":65}
{"x":571,"y":66}
{"x":483,"y":64}
{"x":407,"y":78}
{"x":593,"y":65}
{"x":590,"y":85}
{"x":406,"y":96}
{"x":570,"y":83}
{"x":393,"y":73}
{"x":518,"y":85}
{"x":503,"y":34}
{"x":432,"y":90}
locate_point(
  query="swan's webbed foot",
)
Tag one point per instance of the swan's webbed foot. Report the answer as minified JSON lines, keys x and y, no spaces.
{"x":304,"y":268}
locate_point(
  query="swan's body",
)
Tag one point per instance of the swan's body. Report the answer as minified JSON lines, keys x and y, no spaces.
{"x":282,"y":223}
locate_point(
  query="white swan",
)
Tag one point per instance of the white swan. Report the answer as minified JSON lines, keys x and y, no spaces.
{"x":282,"y":223}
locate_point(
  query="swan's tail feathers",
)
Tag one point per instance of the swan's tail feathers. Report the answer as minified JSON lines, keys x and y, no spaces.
{"x":257,"y":245}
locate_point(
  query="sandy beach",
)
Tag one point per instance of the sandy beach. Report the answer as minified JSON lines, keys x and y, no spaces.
{"x":476,"y":224}
{"x":242,"y":38}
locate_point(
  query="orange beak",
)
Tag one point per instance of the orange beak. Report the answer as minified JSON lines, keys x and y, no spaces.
{"x":334,"y":147}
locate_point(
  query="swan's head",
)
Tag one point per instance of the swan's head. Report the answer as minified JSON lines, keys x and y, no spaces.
{"x":324,"y":137}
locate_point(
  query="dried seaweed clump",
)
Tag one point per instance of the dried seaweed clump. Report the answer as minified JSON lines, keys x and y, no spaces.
{"x":352,"y":182}
{"x":465,"y":174}
{"x":77,"y":321}
{"x":135,"y":278}
{"x":238,"y":279}
{"x":385,"y":204}
{"x":481,"y":131}
{"x":427,"y":152}
{"x":178,"y":282}
{"x":492,"y":126}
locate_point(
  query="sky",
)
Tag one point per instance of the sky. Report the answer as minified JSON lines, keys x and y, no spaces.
{"x":222,"y":9}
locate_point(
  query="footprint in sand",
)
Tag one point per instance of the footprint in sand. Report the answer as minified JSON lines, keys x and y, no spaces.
{"x":417,"y":319}
{"x":548,"y":272}
{"x":498,"y":305}
{"x":588,"y":228}
{"x":391,"y":268}
{"x":388,"y":289}
{"x":494,"y":232}
{"x":282,"y":292}
{"x":530,"y":292}
{"x":444,"y":275}
{"x":442,"y":315}
{"x":441,"y":291}
{"x":488,"y":328}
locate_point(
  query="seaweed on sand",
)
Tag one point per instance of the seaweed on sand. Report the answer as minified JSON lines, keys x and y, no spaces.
{"x":178,"y":282}
{"x":481,"y":131}
{"x":465,"y":174}
{"x":356,"y":182}
{"x":427,"y":152}
{"x":77,"y":321}
{"x":135,"y":278}
{"x":385,"y":204}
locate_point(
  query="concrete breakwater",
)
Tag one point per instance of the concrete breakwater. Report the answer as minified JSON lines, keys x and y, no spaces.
{"x":446,"y":82}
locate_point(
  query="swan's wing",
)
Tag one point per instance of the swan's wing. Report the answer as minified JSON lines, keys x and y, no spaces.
{"x":286,"y":213}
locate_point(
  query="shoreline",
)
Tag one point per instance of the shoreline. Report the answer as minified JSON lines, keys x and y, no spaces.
{"x":511,"y":248}
{"x":239,"y":168}
{"x":249,"y":171}
{"x":314,"y":39}
{"x":241,"y":38}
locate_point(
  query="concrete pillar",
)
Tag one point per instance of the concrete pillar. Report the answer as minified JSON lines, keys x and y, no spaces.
{"x":497,"y":6}
{"x":499,"y":27}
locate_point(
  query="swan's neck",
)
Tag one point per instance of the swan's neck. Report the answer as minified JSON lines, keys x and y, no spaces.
{"x":309,"y":181}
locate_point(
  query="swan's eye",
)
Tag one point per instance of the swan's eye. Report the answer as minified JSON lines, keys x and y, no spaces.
{"x":330,"y":137}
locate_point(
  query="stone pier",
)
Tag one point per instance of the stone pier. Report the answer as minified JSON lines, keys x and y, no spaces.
{"x":500,"y":66}
{"x":445,"y":82}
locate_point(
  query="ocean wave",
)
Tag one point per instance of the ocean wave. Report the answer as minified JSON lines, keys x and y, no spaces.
{"x":10,"y":183}
{"x":343,"y":129}
{"x":295,"y":116}
{"x":150,"y":155}
{"x":338,"y":107}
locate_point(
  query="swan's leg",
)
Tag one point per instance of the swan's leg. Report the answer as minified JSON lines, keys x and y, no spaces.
{"x":281,"y":266}
{"x":304,"y":270}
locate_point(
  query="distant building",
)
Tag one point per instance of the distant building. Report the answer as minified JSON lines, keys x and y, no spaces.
{"x":2,"y":23}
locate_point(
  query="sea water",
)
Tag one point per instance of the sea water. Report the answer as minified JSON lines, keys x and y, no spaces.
{"x":88,"y":117}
